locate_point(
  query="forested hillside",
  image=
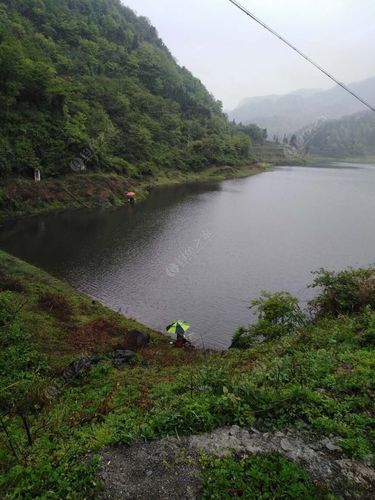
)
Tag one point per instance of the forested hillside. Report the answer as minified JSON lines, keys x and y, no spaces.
{"x":350,"y":136}
{"x":89,"y":75}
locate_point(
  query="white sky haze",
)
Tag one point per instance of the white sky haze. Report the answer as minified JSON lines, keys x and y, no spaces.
{"x":236,"y":58}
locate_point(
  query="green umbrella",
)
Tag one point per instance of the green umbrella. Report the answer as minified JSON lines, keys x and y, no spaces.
{"x":178,"y":327}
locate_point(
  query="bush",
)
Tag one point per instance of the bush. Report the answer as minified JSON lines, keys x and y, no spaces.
{"x":344,"y":292}
{"x":365,"y":324}
{"x":278,"y":314}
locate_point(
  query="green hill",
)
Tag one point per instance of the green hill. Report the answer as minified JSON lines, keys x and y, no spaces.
{"x":89,"y":79}
{"x":351,"y":136}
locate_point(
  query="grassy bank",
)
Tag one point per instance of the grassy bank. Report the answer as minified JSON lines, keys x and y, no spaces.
{"x":317,"y":378}
{"x":87,"y":190}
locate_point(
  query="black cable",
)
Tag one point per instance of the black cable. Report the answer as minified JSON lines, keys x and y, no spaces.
{"x":342,"y":85}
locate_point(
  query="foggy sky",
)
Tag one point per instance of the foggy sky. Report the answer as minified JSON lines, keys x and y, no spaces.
{"x":235,"y":58}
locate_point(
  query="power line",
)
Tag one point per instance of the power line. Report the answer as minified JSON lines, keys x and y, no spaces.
{"x":293,"y":47}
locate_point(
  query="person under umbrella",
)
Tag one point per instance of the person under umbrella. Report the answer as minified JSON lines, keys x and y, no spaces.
{"x":131,"y":197}
{"x":179,"y":328}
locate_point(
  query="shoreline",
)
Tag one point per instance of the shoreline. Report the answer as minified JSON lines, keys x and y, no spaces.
{"x":367,"y":160}
{"x":93,"y":190}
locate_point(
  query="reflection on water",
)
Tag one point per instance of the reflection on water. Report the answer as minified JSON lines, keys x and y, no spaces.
{"x":201,"y":252}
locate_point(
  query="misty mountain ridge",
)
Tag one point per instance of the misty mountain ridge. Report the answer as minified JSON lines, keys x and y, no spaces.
{"x":276,"y":97}
{"x":347,"y":137}
{"x":288,"y":113}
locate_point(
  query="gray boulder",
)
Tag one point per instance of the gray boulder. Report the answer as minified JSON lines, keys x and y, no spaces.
{"x":79,"y":365}
{"x":136,"y":339}
{"x":122,"y":356}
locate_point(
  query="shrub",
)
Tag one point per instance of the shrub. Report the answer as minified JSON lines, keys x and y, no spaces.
{"x":366,"y":326}
{"x":344,"y":292}
{"x":278,"y":314}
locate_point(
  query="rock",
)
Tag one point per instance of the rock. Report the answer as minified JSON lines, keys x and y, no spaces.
{"x":286,"y":445}
{"x":136,"y":339}
{"x":78,"y":366}
{"x":254,"y":430}
{"x":333,"y":447}
{"x":330,"y":445}
{"x":234,"y":430}
{"x":122,"y":356}
{"x":259,"y":339}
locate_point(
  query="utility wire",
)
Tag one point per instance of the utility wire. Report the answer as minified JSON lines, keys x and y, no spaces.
{"x":342,"y":85}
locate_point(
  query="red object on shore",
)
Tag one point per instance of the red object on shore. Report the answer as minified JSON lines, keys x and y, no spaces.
{"x":130,"y":194}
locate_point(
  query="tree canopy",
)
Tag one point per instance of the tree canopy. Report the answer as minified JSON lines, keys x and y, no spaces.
{"x":352,"y":135}
{"x":91,"y":74}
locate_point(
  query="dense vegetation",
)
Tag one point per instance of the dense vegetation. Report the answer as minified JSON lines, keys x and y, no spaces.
{"x":258,"y":477}
{"x":89,"y":79}
{"x":351,"y":136}
{"x":316,"y":375}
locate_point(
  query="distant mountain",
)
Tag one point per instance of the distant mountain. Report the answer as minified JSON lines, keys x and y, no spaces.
{"x":352,"y":135}
{"x":285,"y":114}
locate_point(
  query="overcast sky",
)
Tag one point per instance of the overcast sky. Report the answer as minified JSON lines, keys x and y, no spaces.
{"x":236,"y":58}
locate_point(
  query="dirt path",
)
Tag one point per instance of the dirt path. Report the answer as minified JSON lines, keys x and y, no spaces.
{"x":169,"y":468}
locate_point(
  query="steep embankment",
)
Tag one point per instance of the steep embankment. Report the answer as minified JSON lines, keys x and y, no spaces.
{"x":311,"y":386}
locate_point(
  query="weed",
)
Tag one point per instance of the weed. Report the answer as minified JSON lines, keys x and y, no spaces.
{"x":262,"y":477}
{"x":56,"y":304}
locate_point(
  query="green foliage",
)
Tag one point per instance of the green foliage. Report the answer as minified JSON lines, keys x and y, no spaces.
{"x":262,"y":477}
{"x":278,"y":314}
{"x":279,"y":308}
{"x":366,"y":327}
{"x":21,"y":365}
{"x":344,"y":292}
{"x":70,"y":478}
{"x":91,"y":74}
{"x":188,"y":408}
{"x":22,"y":375}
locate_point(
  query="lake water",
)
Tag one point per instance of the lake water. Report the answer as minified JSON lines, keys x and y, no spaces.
{"x":202,"y":252}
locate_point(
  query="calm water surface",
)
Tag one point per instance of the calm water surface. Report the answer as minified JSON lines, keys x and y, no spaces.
{"x":203,"y":252}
